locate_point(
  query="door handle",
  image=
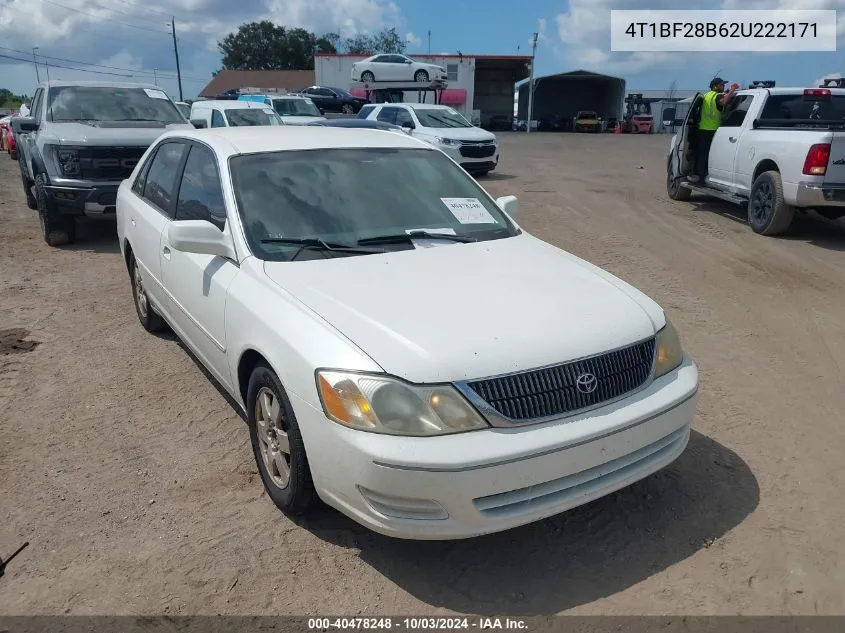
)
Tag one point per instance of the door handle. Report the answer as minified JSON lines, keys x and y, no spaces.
{"x":732,"y":139}
{"x":132,"y":220}
{"x":166,"y":252}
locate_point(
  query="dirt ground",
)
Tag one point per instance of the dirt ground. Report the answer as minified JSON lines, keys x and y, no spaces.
{"x":133,"y":479}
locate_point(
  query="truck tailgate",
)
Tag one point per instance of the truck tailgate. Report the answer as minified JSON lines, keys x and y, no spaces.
{"x":835,"y":174}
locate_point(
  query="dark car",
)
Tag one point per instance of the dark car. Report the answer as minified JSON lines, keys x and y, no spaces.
{"x":500,"y":122}
{"x":333,"y":99}
{"x":360,"y":123}
{"x":231,"y":94}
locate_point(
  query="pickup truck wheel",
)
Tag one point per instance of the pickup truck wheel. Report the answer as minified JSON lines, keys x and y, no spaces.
{"x":149,"y":318}
{"x":277,"y":444}
{"x":768,"y":214}
{"x":31,"y":202}
{"x":673,"y":185}
{"x":57,"y":229}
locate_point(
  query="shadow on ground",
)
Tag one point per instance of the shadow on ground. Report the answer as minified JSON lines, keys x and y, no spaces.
{"x":810,"y":228}
{"x":96,"y":236}
{"x":576,"y":557}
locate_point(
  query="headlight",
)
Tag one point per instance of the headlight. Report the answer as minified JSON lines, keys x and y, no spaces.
{"x":386,"y":405}
{"x":67,"y":160}
{"x":449,"y":142}
{"x":669,"y":354}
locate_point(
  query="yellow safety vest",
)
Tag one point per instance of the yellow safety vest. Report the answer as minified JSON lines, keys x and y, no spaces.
{"x":711,"y":118}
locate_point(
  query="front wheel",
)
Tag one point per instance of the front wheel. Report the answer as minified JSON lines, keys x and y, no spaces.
{"x":421,"y":76}
{"x":277,"y":444}
{"x":367,"y":77}
{"x":768,"y":214}
{"x":347,"y":108}
{"x":57,"y":229}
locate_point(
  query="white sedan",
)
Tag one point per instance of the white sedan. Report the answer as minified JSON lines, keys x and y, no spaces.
{"x":396,"y":68}
{"x":407,"y":354}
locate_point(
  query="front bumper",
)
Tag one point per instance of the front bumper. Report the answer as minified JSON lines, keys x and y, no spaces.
{"x":474,"y":483}
{"x":486,"y":163}
{"x":819,"y":195}
{"x":89,"y":199}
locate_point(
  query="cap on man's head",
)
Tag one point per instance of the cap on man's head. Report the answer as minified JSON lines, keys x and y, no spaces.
{"x":716,"y":81}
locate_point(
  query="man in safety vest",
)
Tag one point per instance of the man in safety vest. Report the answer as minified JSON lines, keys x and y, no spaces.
{"x":709,"y":121}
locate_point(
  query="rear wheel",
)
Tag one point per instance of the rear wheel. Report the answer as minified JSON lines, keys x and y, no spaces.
{"x":421,"y":76}
{"x":367,"y":77}
{"x":768,"y":214}
{"x":31,"y":202}
{"x":57,"y":229}
{"x":673,"y":185}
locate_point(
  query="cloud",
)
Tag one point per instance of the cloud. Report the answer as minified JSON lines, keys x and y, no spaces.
{"x":136,"y":34}
{"x":412,"y":40}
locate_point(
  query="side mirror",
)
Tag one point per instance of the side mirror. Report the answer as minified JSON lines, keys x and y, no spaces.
{"x":509,"y":204}
{"x":24,"y":124}
{"x":200,"y":237}
{"x":408,"y":125}
{"x":199,"y":123}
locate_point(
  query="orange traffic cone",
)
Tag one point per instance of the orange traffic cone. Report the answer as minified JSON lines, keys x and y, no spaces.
{"x":618,"y":129}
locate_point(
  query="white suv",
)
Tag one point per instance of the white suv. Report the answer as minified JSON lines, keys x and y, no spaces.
{"x":474,"y":149}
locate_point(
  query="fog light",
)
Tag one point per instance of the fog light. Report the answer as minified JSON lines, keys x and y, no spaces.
{"x":402,"y":507}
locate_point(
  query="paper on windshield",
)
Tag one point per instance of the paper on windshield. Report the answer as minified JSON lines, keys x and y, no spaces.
{"x":427,"y":243}
{"x":468,"y":210}
{"x":155,"y":94}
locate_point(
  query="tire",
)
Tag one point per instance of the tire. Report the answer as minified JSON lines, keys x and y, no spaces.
{"x":768,"y":214}
{"x":367,"y":77}
{"x":31,"y":202}
{"x":13,"y":155}
{"x":57,"y":229}
{"x":347,"y":108}
{"x":289,"y":486}
{"x":149,"y":318}
{"x":481,"y":174}
{"x":421,"y":76}
{"x":673,"y":186}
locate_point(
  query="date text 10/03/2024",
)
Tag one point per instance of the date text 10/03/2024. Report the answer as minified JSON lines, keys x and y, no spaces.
{"x":417,"y":624}
{"x":733,"y":29}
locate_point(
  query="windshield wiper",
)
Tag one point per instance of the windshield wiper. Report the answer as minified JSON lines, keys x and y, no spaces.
{"x":412,"y":235}
{"x":318,"y":244}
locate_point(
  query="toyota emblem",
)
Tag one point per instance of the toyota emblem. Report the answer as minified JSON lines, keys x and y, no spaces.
{"x":587,"y":383}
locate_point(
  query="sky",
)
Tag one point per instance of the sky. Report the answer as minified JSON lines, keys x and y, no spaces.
{"x":129,"y":40}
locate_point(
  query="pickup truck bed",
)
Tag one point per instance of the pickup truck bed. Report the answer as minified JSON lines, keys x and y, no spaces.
{"x":779,"y":151}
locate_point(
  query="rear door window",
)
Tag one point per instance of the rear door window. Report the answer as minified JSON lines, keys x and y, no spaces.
{"x":795,"y":107}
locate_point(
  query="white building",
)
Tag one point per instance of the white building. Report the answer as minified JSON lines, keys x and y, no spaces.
{"x":479,"y":86}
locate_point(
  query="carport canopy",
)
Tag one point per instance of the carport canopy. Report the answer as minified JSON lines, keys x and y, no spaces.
{"x":565,"y":94}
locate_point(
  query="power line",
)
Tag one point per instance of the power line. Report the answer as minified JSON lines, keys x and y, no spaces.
{"x":82,"y":70}
{"x":131,"y":15}
{"x":99,"y":17}
{"x":161,"y":73}
{"x":161,"y":12}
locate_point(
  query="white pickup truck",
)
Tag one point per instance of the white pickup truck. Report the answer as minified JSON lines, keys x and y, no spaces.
{"x":778,"y":151}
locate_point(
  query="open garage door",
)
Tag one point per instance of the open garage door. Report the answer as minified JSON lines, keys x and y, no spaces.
{"x":557,"y":98}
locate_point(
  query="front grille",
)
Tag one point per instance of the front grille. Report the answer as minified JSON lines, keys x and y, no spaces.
{"x":477,"y":150}
{"x":109,"y":163}
{"x":552,"y":391}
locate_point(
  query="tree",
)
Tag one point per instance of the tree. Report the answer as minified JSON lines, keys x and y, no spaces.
{"x":267,"y":46}
{"x":672,"y":90}
{"x":385,"y":41}
{"x":9,"y":100}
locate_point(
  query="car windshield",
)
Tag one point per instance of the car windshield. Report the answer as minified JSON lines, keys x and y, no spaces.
{"x":343,"y":196}
{"x":185,"y":109}
{"x":95,"y":103}
{"x":435,"y":117}
{"x":238,"y":117}
{"x":295,"y":107}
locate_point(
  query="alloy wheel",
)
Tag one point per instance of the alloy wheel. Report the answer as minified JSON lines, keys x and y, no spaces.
{"x":762,"y":206}
{"x":273,"y":439}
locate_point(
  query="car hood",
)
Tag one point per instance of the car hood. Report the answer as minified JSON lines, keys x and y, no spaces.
{"x":102,"y":133}
{"x":458,"y":133}
{"x":465,"y":311}
{"x":301,"y":120}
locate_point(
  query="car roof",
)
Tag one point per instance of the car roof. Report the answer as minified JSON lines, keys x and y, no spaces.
{"x":58,"y":83}
{"x":360,"y":123}
{"x":230,"y":104}
{"x":418,"y":106}
{"x":787,"y":91}
{"x":250,"y":140}
{"x":294,"y":96}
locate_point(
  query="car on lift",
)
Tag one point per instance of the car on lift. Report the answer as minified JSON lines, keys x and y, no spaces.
{"x":333,"y":99}
{"x":396,"y":67}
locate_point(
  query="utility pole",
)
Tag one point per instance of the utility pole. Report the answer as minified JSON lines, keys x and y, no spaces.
{"x":176,"y":52}
{"x":155,"y":76}
{"x":531,"y":84}
{"x":35,"y":61}
{"x":429,"y":41}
